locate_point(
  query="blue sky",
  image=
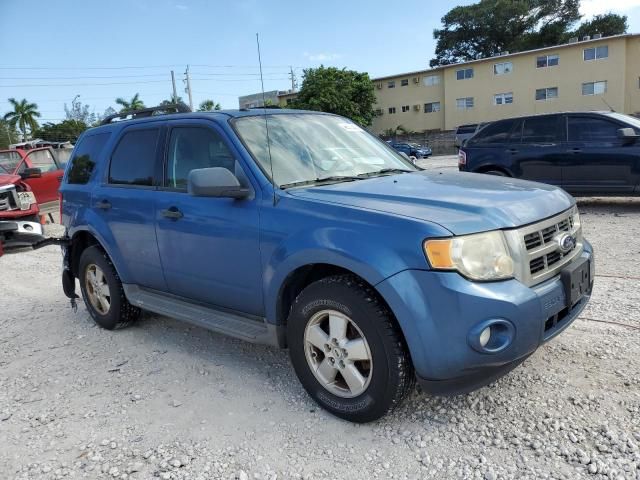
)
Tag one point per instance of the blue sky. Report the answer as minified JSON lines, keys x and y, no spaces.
{"x":90,"y":48}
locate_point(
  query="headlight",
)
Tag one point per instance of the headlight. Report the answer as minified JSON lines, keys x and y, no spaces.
{"x":576,"y":219}
{"x":482,"y":256}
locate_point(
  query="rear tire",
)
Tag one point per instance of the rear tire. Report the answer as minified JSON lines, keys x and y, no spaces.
{"x":102,"y":291}
{"x":347,"y":349}
{"x":497,"y":173}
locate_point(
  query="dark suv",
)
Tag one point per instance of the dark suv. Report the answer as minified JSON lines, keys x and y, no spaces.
{"x":586,"y":153}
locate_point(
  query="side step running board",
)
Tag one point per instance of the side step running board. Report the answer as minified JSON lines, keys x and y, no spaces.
{"x":255,"y":330}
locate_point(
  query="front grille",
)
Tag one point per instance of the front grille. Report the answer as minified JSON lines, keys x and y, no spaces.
{"x":8,"y":199}
{"x":539,"y":248}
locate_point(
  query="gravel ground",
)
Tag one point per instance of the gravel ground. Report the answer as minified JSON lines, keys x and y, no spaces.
{"x":163,"y":399}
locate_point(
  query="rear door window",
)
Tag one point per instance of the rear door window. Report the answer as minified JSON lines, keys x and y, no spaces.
{"x":134,"y":160}
{"x":547,"y":129}
{"x":495,"y":133}
{"x":591,"y":129}
{"x":84,"y":158}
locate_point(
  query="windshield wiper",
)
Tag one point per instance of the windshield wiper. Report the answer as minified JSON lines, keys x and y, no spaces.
{"x":319,"y":181}
{"x":384,"y":171}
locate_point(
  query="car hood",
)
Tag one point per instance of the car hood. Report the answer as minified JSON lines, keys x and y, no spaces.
{"x":460,"y":202}
{"x":6,"y":179}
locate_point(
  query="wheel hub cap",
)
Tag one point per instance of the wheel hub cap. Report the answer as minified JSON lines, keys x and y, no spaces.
{"x":97,"y":289}
{"x":338,"y":353}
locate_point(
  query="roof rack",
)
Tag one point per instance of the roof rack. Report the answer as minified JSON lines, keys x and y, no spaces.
{"x":147,"y":112}
{"x":268,"y":107}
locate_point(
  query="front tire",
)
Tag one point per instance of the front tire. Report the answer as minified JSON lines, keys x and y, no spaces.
{"x":102,"y":291}
{"x":497,"y":173}
{"x":347,"y":349}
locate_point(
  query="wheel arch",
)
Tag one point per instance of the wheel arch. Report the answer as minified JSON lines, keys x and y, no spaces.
{"x":488,"y":168}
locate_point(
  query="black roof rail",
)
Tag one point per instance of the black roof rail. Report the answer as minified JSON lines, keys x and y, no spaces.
{"x":147,"y":112}
{"x":268,"y":107}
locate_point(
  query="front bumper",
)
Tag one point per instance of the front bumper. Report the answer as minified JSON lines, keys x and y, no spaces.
{"x":438,"y":310}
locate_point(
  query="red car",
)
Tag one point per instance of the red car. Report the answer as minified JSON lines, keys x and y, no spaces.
{"x":17,"y":200}
{"x":40,"y":168}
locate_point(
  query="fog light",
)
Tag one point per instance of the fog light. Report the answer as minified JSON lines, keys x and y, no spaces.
{"x":485,"y":336}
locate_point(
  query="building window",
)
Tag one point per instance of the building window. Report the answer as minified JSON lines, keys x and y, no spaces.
{"x":431,"y":80}
{"x":392,"y":110}
{"x":547,"y":93}
{"x":464,"y":73}
{"x":503,"y":98}
{"x":404,"y":82}
{"x":464,"y":103}
{"x":391,"y":84}
{"x":596,"y":53}
{"x":547,"y":61}
{"x":378,"y":112}
{"x":432,"y":107}
{"x":502,"y":68}
{"x":594,"y":88}
{"x":405,"y":108}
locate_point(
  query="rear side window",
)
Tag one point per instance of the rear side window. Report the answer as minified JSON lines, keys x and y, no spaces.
{"x":542,"y":130}
{"x":84,"y":158}
{"x":466,"y":129}
{"x":134,"y":160}
{"x":590,"y":129}
{"x":498,"y":132}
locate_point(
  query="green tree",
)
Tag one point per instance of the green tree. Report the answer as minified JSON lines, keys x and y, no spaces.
{"x":79,"y":112}
{"x":8,"y":134}
{"x":65,"y":131}
{"x":490,"y":27}
{"x":172,"y":100}
{"x":208,"y":106}
{"x":606,"y":25}
{"x":340,"y":91}
{"x":128,"y":106}
{"x":23,"y":116}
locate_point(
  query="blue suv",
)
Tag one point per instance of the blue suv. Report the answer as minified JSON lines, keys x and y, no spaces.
{"x":301,"y":230}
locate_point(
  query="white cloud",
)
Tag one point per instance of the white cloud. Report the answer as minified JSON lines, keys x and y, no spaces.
{"x":322,"y":57}
{"x":589,"y":8}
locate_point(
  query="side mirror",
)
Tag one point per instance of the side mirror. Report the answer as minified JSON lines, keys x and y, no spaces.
{"x":31,"y":173}
{"x":628,"y":135}
{"x":215,"y":182}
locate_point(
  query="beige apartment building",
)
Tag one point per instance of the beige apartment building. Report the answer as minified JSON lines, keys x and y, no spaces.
{"x":591,"y":74}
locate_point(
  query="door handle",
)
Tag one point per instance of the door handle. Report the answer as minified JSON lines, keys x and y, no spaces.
{"x":173,"y":213}
{"x":103,"y":205}
{"x":575,"y":150}
{"x":513,"y":150}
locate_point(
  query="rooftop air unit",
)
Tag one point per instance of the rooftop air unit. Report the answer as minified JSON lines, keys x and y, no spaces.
{"x":585,"y":38}
{"x":597,"y":36}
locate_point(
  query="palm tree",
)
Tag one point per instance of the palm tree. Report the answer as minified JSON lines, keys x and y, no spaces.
{"x":24,"y":115}
{"x":208,"y":106}
{"x":134,"y":104}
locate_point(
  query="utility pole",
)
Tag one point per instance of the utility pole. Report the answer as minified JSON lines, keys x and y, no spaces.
{"x":188,"y":89}
{"x":294,"y":82}
{"x":173,"y":82}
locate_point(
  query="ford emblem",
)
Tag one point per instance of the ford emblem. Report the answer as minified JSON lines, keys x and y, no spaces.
{"x":566,"y":242}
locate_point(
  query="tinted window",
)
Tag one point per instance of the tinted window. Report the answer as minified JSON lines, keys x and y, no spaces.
{"x":85,"y":156}
{"x":498,"y":132}
{"x":589,"y":129}
{"x":43,"y":159}
{"x":542,"y":130}
{"x":9,"y":160}
{"x":134,"y":160}
{"x":464,"y":129}
{"x":195,"y":147}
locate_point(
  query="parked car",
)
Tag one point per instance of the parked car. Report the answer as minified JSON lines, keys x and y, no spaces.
{"x":45,"y":186}
{"x":370,"y":271}
{"x":17,"y":201}
{"x":465,"y":132}
{"x":412,"y":149}
{"x":586,"y":153}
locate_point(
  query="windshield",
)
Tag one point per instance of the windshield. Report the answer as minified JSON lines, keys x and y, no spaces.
{"x":633,"y":121}
{"x":307,"y":148}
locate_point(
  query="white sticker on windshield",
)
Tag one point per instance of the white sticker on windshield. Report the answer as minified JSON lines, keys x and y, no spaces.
{"x":351,"y":127}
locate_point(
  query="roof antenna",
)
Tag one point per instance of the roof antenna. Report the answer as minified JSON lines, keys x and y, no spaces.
{"x":607,"y":104}
{"x":266,"y":121}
